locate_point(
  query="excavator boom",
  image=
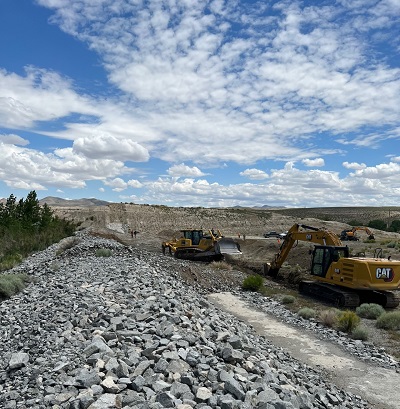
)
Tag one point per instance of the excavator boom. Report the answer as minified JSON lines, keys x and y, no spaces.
{"x":311,"y":234}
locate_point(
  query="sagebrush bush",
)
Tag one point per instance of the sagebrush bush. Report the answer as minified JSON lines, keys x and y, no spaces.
{"x":252,"y":283}
{"x":329,"y":317}
{"x":347,"y":321}
{"x":103,"y":253}
{"x":288,"y":299}
{"x":360,"y":333}
{"x":389,"y":320}
{"x":11,"y":284}
{"x":307,"y":313}
{"x":9,"y":261}
{"x":391,"y":245}
{"x":370,"y":311}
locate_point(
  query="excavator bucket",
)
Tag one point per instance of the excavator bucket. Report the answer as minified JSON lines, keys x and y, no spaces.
{"x":228,"y":246}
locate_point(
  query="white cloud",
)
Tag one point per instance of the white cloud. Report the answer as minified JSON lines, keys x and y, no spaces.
{"x":382,"y":171}
{"x":134,"y":183}
{"x":31,"y":169}
{"x":108,"y":146}
{"x":354,"y":165}
{"x":191,"y":89}
{"x":13,"y":139}
{"x":40,"y":96}
{"x":317,"y":162}
{"x":254,"y":174}
{"x":183,"y":170}
{"x":117,"y":184}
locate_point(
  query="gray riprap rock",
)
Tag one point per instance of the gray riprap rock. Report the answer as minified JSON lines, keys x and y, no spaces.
{"x":87,"y":377}
{"x":98,"y":344}
{"x":125,"y":331}
{"x":203,"y":394}
{"x":18,"y":360}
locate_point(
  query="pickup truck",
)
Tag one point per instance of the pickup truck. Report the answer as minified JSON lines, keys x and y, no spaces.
{"x":272,"y":234}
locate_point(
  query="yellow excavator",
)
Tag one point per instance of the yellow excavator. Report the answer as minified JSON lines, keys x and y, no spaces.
{"x":200,"y":245}
{"x":338,"y":278}
{"x":351,"y":234}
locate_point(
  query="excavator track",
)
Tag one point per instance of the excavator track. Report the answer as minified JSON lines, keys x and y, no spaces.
{"x":193,"y":254}
{"x":349,"y":298}
{"x":388,"y":299}
{"x":332,"y":294}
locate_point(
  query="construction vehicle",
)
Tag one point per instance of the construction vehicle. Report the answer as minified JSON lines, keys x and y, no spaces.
{"x":338,"y":278}
{"x":350,"y":234}
{"x":200,"y":245}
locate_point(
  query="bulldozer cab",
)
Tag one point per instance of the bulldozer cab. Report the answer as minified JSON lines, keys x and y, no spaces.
{"x":323,"y":256}
{"x":194,"y":235}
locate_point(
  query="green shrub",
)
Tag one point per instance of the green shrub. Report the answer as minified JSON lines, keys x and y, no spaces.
{"x":307,"y":313}
{"x":329,"y":317}
{"x":103,"y":253}
{"x":288,"y":299}
{"x":11,"y":284}
{"x":9,"y":261}
{"x":389,"y":320}
{"x":360,"y":333}
{"x":391,"y":245}
{"x":252,"y":283}
{"x":371,"y":311}
{"x":347,"y":321}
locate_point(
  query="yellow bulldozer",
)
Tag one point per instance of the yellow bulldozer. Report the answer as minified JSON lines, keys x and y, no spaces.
{"x":336,"y":276}
{"x":200,"y":245}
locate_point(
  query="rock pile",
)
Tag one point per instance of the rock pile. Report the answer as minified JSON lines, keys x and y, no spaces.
{"x":124,"y":331}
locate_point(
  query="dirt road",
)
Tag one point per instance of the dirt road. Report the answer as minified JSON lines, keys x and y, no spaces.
{"x":377,"y":385}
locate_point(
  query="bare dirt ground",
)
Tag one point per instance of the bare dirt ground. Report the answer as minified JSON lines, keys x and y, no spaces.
{"x":158,"y":223}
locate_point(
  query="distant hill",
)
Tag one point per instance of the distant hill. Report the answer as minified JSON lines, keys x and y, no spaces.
{"x":59,"y":202}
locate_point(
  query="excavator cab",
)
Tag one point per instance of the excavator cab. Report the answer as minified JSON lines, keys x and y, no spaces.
{"x":323,"y":256}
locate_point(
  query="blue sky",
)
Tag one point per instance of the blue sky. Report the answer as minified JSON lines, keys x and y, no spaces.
{"x":206,"y":103}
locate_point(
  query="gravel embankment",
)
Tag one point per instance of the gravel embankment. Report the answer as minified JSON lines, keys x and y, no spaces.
{"x":126,"y":331}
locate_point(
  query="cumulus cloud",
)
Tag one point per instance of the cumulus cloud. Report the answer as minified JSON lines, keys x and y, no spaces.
{"x":31,"y":169}
{"x":134,"y":183}
{"x":354,"y":165}
{"x":111,"y":147}
{"x":254,"y":174}
{"x":183,"y":170}
{"x":13,"y":139}
{"x":315,"y":163}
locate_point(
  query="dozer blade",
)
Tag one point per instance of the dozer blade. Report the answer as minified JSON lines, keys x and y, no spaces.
{"x":228,"y":246}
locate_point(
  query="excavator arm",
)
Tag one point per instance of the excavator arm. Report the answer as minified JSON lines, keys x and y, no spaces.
{"x":301,"y":232}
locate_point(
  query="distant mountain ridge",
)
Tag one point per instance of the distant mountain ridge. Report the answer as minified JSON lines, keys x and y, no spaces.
{"x":59,"y":202}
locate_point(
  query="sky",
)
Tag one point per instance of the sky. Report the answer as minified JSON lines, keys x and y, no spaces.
{"x":201,"y":103}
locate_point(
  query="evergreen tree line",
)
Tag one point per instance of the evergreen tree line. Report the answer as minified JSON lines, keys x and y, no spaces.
{"x":26,"y":227}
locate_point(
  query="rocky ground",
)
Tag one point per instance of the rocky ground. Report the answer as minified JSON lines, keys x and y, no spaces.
{"x":135,"y":330}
